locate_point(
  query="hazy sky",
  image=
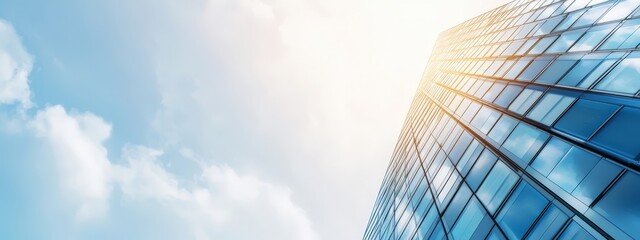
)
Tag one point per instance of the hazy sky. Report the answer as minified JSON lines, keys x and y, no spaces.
{"x":205,"y":119}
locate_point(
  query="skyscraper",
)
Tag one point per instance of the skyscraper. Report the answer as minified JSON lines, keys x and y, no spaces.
{"x":526,"y":124}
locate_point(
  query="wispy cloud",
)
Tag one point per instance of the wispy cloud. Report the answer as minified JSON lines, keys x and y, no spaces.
{"x":15,"y":65}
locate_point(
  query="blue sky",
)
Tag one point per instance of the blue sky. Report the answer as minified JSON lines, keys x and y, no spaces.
{"x":204,"y":119}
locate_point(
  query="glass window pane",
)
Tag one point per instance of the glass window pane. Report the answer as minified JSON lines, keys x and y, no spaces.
{"x":469,"y":220}
{"x":507,"y":95}
{"x":542,"y":45}
{"x":591,"y":15}
{"x":480,"y":169}
{"x":556,"y":70}
{"x":493,"y":91}
{"x":521,"y":210}
{"x":524,"y":101}
{"x":550,"y":155}
{"x":549,"y":108}
{"x":457,"y":204}
{"x":581,"y":70}
{"x":620,"y":10}
{"x":503,"y":127}
{"x":496,"y":187}
{"x":549,"y":25}
{"x":594,"y":183}
{"x":571,"y":18}
{"x":527,"y":45}
{"x":621,"y":35}
{"x":621,"y":133}
{"x":517,"y":68}
{"x":565,"y":41}
{"x":575,"y":231}
{"x":469,"y":157}
{"x":533,"y":69}
{"x":595,"y":75}
{"x":572,"y":168}
{"x":620,"y":204}
{"x":575,"y":123}
{"x":624,"y":77}
{"x":525,"y":141}
{"x":594,"y":36}
{"x":549,"y":224}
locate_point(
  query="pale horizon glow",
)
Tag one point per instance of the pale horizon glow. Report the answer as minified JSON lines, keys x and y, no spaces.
{"x":211,"y":119}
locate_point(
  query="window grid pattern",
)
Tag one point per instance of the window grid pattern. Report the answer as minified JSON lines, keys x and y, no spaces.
{"x":496,"y":144}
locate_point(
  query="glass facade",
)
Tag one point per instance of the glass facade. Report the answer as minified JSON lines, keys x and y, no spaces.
{"x":526,"y":125}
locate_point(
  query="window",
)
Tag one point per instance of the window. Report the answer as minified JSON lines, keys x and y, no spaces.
{"x":524,"y":101}
{"x":461,"y":145}
{"x":480,"y":169}
{"x":521,"y":210}
{"x":591,"y":39}
{"x":624,"y":77}
{"x":557,"y":69}
{"x":581,"y":69}
{"x":469,"y":220}
{"x":503,"y":127}
{"x":597,"y":72}
{"x":524,"y":142}
{"x":620,"y":10}
{"x":574,"y":122}
{"x":493,"y":92}
{"x":507,"y":95}
{"x":457,"y":204}
{"x":571,"y":18}
{"x":542,"y":45}
{"x":496,"y":187}
{"x":625,"y":37}
{"x":565,"y":41}
{"x":549,"y":224}
{"x":573,"y":168}
{"x":591,"y":15}
{"x":517,"y":68}
{"x":576,"y":231}
{"x":620,"y":204}
{"x":527,"y":45}
{"x":549,"y":108}
{"x":469,"y":157}
{"x":534,"y":68}
{"x":596,"y":181}
{"x":549,"y":25}
{"x":621,"y":133}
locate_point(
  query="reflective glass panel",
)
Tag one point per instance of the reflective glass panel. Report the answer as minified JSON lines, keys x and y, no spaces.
{"x":620,"y":204}
{"x":624,"y":77}
{"x":621,"y":133}
{"x":592,"y":38}
{"x":507,"y":95}
{"x":469,"y":220}
{"x":620,"y":36}
{"x":549,"y":108}
{"x":497,"y":185}
{"x":556,"y":70}
{"x":524,"y":101}
{"x":525,"y":141}
{"x":521,"y":210}
{"x":503,"y":127}
{"x":575,"y":123}
{"x":565,"y":41}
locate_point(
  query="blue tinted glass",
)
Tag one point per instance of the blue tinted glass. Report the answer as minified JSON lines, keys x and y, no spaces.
{"x":542,"y":45}
{"x":621,"y":133}
{"x":507,"y":95}
{"x":573,"y":168}
{"x":565,"y":41}
{"x":621,"y":35}
{"x":526,"y":46}
{"x":469,"y":220}
{"x":550,"y":155}
{"x":594,"y":36}
{"x":575,"y":123}
{"x":620,"y":204}
{"x":495,"y":235}
{"x":497,"y":185}
{"x":595,"y":75}
{"x":480,"y":169}
{"x":591,"y":15}
{"x":549,"y":25}
{"x":517,"y":68}
{"x":580,"y":71}
{"x":461,"y":145}
{"x":549,"y":224}
{"x":469,"y":157}
{"x":571,"y":18}
{"x":522,"y":209}
{"x":533,"y":69}
{"x":524,"y":142}
{"x":457,"y":204}
{"x":549,"y":108}
{"x":493,"y":92}
{"x":620,"y":10}
{"x":575,"y":231}
{"x":556,"y":70}
{"x":524,"y":101}
{"x":599,"y":177}
{"x":624,"y":77}
{"x":502,"y":128}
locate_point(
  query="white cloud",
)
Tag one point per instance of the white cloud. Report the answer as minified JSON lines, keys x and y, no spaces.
{"x":81,"y":159}
{"x":15,"y":65}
